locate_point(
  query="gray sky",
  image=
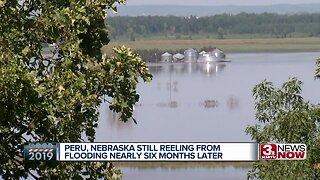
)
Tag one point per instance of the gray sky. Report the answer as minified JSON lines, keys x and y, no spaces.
{"x":218,"y":2}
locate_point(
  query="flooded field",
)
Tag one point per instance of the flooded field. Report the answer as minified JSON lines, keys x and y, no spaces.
{"x":191,"y":102}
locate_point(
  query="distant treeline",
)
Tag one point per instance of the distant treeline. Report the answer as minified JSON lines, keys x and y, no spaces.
{"x":273,"y":25}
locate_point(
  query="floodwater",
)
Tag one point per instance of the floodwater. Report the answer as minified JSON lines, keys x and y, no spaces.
{"x":190,"y":102}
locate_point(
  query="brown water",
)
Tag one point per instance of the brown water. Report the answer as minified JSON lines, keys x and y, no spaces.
{"x":206,"y":103}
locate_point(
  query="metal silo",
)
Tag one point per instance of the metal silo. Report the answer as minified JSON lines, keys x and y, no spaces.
{"x":178,"y":57}
{"x":203,"y":57}
{"x":166,"y":57}
{"x":218,"y":54}
{"x":190,"y":55}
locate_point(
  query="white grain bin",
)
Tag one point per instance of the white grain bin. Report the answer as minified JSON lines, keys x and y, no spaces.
{"x":178,"y":57}
{"x":218,"y":54}
{"x":203,"y":57}
{"x":190,"y":55}
{"x":166,"y":57}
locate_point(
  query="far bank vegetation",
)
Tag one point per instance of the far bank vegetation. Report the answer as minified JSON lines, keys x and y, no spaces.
{"x":243,"y":25}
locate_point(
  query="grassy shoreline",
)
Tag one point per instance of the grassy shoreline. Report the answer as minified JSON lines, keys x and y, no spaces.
{"x":230,"y":45}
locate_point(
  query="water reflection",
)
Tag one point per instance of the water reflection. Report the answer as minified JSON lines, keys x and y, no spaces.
{"x":233,"y":102}
{"x":170,"y":104}
{"x":207,"y":68}
{"x":210,"y":103}
{"x":172,"y":85}
{"x":211,"y":68}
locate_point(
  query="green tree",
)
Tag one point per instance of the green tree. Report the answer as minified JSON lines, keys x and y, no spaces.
{"x":220,"y":33}
{"x":54,"y":96}
{"x":285,"y":117}
{"x":131,"y":34}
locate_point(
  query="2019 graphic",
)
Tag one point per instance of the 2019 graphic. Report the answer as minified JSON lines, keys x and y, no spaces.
{"x":40,"y":152}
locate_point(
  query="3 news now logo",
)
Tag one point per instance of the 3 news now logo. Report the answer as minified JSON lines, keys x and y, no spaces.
{"x":283,"y":151}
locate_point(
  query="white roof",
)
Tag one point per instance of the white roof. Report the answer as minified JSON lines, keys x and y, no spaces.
{"x":166,"y":54}
{"x":178,"y":56}
{"x":190,"y":50}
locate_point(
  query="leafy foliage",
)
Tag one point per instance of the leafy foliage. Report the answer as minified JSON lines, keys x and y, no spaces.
{"x":52,"y":94}
{"x":285,"y":117}
{"x":318,"y":68}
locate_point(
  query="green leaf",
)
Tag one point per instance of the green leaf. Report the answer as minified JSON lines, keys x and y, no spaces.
{"x":26,"y":50}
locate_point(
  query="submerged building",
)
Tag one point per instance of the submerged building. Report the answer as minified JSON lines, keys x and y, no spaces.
{"x":215,"y":55}
{"x":166,"y":57}
{"x":190,"y":55}
{"x":178,"y":57}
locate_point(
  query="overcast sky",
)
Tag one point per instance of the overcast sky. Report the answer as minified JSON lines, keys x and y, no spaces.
{"x":218,"y":2}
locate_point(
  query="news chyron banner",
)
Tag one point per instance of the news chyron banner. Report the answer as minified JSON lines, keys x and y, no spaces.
{"x":163,"y":152}
{"x":141,"y":151}
{"x":283,"y":151}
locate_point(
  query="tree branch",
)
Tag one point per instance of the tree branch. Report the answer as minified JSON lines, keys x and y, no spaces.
{"x":18,"y":162}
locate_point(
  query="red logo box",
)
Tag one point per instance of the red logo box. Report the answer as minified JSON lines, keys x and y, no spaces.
{"x":268,"y":151}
